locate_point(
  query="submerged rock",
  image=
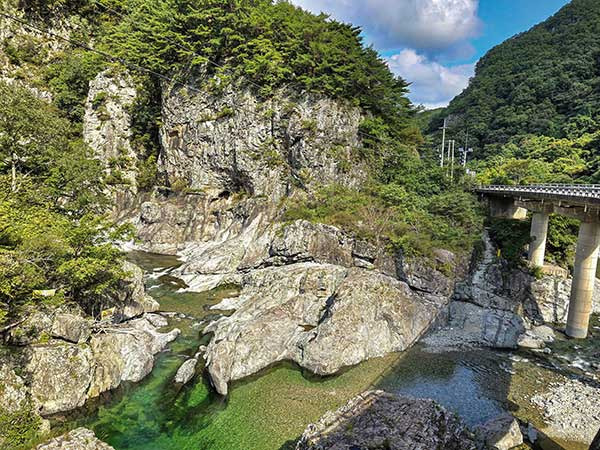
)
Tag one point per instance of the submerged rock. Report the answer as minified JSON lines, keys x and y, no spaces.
{"x":78,"y":439}
{"x":322,"y":316}
{"x":376,"y":419}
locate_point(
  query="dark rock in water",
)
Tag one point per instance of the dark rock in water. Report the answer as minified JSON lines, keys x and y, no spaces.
{"x":78,"y":439}
{"x":376,"y":420}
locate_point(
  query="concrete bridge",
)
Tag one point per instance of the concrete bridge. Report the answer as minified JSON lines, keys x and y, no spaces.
{"x":578,"y":201}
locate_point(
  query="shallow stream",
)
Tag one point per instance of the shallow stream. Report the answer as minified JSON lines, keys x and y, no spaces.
{"x":270,"y":410}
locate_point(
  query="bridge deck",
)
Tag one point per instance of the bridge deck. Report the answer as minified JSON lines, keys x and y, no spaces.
{"x":581,"y":194}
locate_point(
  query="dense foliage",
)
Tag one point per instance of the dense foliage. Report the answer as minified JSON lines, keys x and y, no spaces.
{"x":54,"y":242}
{"x":542,"y":82}
{"x":411,"y":206}
{"x":268,"y":44}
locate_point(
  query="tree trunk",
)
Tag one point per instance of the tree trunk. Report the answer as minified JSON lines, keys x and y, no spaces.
{"x":14,"y":173}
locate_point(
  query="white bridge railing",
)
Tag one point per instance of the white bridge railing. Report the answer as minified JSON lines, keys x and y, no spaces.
{"x":591,"y":191}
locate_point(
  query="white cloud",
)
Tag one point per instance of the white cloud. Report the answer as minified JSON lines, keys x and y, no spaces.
{"x":427,"y":25}
{"x":433,"y":85}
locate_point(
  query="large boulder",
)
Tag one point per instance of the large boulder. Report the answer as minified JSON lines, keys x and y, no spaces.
{"x":324,"y":317}
{"x":125,"y":353}
{"x":78,"y":439}
{"x":500,"y":433}
{"x":71,"y":328}
{"x":60,"y":376}
{"x":376,"y":420}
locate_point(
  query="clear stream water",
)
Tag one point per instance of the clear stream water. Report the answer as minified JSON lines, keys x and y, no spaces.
{"x":270,"y":410}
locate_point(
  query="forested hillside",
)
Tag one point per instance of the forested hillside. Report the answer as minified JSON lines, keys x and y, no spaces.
{"x":535,"y":100}
{"x":56,"y":237}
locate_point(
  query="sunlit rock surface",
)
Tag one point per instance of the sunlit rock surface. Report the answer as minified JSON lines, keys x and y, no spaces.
{"x":376,"y":420}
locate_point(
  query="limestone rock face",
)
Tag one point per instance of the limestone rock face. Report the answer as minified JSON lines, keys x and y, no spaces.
{"x":78,"y":439}
{"x":60,"y":376}
{"x":231,"y":141}
{"x":376,"y":419}
{"x":13,"y":393}
{"x":322,"y":316}
{"x":107,"y":130}
{"x":71,"y":328}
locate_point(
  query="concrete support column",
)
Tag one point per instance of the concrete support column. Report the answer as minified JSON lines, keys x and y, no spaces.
{"x":539,"y":233}
{"x":584,"y":276}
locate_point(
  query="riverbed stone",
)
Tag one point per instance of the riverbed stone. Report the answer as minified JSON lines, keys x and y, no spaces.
{"x":186,"y":371}
{"x":376,"y":419}
{"x":78,"y":439}
{"x":500,"y":433}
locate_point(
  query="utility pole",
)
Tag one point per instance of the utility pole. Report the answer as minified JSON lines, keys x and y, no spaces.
{"x":443,"y":141}
{"x":452,"y":163}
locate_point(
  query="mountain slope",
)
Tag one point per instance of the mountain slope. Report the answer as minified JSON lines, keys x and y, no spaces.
{"x":545,"y":81}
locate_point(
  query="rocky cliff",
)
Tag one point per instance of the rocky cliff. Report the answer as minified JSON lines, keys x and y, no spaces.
{"x":310,"y":293}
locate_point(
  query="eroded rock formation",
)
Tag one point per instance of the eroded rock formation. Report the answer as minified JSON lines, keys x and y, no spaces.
{"x":376,"y":420}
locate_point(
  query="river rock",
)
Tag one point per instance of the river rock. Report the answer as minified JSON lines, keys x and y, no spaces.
{"x":78,"y":439}
{"x":376,"y":419}
{"x":322,"y":316}
{"x":60,"y":376}
{"x":186,"y":371}
{"x":71,"y":328}
{"x":501,"y":433}
{"x":125,"y":353}
{"x":131,"y":299}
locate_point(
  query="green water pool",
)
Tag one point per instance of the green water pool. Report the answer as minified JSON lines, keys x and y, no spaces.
{"x":270,"y":410}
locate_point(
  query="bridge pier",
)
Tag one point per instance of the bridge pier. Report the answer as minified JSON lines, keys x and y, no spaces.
{"x":539,"y":234}
{"x":584,"y":274}
{"x":506,"y":208}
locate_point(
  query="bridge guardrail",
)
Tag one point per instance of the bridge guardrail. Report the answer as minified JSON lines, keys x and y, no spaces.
{"x":574,"y":190}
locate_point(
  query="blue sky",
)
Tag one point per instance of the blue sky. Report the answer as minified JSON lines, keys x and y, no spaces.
{"x":435,"y":44}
